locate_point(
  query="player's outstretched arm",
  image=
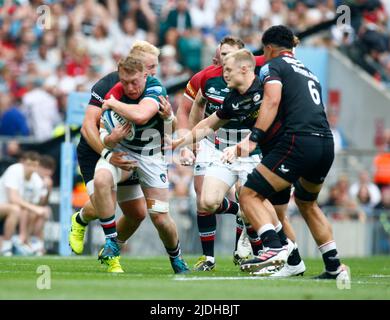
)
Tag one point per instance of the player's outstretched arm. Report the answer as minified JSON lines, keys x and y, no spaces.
{"x":201,"y":130}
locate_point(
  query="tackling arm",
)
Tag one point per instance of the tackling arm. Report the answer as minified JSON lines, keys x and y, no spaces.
{"x":201,"y":130}
{"x":139,"y":113}
{"x":90,"y":128}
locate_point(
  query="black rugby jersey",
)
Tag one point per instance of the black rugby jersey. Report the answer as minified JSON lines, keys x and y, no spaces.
{"x":98,"y":92}
{"x":244,"y":109}
{"x":301,"y":108}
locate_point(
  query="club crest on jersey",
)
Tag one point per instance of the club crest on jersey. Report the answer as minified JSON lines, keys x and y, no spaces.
{"x":257,"y":97}
{"x":163,"y":177}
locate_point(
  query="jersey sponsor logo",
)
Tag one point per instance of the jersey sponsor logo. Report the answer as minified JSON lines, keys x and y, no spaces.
{"x":212,"y":90}
{"x":283,"y":169}
{"x":225,"y":90}
{"x":235,"y":106}
{"x":212,"y":108}
{"x":95,"y":95}
{"x":154,"y":90}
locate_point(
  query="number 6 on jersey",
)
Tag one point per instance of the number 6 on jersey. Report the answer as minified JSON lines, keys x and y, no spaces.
{"x":315,"y":95}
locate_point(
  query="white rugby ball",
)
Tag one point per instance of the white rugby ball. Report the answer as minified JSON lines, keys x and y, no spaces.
{"x":111,"y":119}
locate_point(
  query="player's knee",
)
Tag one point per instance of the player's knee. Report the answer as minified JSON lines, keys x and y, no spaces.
{"x":303,"y":196}
{"x":259,"y":185}
{"x":135,"y":215}
{"x":209,"y":204}
{"x":302,"y":205}
{"x":103,"y":180}
{"x":161,"y":221}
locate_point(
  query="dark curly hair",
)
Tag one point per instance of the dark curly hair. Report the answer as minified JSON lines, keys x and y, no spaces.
{"x":281,"y":36}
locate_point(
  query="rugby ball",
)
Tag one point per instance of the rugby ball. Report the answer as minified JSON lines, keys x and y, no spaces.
{"x":111,"y":119}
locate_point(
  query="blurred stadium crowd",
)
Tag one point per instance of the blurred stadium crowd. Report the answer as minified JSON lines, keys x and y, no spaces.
{"x":84,"y":39}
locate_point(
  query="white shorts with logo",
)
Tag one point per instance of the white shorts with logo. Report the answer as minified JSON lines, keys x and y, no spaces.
{"x":204,"y":157}
{"x":231,"y":173}
{"x":152,"y":170}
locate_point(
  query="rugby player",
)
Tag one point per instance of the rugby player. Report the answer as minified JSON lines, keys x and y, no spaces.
{"x":186,"y":116}
{"x":136,"y":99}
{"x":302,"y":155}
{"x":129,"y":193}
{"x":239,"y":170}
{"x":209,"y":99}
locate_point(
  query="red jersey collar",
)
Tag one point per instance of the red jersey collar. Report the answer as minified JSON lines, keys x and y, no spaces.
{"x":286,"y":53}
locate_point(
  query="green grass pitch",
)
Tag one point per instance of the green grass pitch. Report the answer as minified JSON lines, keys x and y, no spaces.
{"x":152,"y":278}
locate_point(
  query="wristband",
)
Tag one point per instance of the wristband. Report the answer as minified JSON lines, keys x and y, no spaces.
{"x":257,"y":135}
{"x":103,"y":135}
{"x":170,"y":118}
{"x":106,"y":154}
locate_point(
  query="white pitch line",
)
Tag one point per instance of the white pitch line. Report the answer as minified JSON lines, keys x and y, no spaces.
{"x":220,"y":278}
{"x":356,"y":282}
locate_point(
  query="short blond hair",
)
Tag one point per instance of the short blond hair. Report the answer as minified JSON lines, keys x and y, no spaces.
{"x":243,"y":56}
{"x":131,"y":64}
{"x":141,"y":46}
